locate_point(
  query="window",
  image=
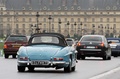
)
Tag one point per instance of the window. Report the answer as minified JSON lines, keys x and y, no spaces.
{"x":23,"y":19}
{"x":30,"y":19}
{"x":78,"y":19}
{"x":107,"y":19}
{"x":51,"y":2}
{"x":64,"y":2}
{"x":44,"y":19}
{"x":85,"y":19}
{"x":114,"y":19}
{"x":72,"y":20}
{"x":93,"y":19}
{"x":101,"y":19}
{"x":65,"y":19}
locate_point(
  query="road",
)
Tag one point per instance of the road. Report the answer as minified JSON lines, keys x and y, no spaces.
{"x":86,"y":69}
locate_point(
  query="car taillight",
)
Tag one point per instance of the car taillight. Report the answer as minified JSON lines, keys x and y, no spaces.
{"x":5,"y":46}
{"x":78,"y":44}
{"x":102,"y":44}
{"x":23,"y":58}
{"x":58,"y":59}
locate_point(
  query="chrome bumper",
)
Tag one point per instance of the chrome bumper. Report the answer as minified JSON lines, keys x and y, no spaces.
{"x":50,"y":62}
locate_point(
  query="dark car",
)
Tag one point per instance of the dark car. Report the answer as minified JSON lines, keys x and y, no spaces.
{"x":115,"y":46}
{"x":93,"y":46}
{"x":12,"y":44}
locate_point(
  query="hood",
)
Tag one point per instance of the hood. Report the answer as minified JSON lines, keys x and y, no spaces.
{"x":42,"y":52}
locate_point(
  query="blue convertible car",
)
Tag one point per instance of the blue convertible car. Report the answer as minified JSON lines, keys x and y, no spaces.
{"x":46,"y":50}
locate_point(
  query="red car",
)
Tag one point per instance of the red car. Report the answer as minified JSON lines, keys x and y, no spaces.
{"x":12,"y":44}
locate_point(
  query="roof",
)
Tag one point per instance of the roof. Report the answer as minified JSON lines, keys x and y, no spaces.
{"x":62,"y":4}
{"x":114,"y":38}
{"x":55,"y":34}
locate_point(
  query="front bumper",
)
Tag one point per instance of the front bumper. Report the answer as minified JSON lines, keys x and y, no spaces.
{"x":51,"y":64}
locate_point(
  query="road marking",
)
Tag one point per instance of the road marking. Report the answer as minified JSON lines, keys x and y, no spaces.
{"x":105,"y":74}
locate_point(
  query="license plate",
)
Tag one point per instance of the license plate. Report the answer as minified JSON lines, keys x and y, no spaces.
{"x":91,"y":47}
{"x":113,"y":46}
{"x":16,"y":45}
{"x":39,"y":63}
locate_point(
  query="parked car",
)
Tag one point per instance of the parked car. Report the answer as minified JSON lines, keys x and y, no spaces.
{"x":93,"y":46}
{"x":70,"y":41}
{"x":12,"y":44}
{"x":47,"y":50}
{"x":115,"y":46}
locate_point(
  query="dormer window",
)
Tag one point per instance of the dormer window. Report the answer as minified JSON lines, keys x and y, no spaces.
{"x":75,"y":2}
{"x":40,"y":2}
{"x":51,"y":2}
{"x":64,"y":2}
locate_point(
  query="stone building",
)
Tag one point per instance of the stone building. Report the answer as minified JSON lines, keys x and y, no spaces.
{"x":73,"y":17}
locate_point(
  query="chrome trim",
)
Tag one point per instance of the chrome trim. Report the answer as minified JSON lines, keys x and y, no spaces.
{"x":50,"y":62}
{"x":90,"y":49}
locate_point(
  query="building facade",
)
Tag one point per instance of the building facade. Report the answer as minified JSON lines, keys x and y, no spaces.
{"x":68,"y":17}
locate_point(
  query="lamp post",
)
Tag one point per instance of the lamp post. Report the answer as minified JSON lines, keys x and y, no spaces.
{"x":75,"y":26}
{"x":68,"y":23}
{"x":49,"y":22}
{"x":81,"y":27}
{"x":59,"y":22}
{"x":93,"y":31}
{"x":37,"y":27}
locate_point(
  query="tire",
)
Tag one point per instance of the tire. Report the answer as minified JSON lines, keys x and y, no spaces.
{"x":109,"y":58}
{"x":83,"y":57}
{"x":78,"y":57}
{"x":73,"y":68}
{"x":31,"y":69}
{"x":14,"y":56}
{"x":104,"y":57}
{"x":69,"y":68}
{"x":21,"y":68}
{"x":6,"y":56}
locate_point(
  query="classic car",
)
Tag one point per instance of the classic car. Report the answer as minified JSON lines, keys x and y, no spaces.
{"x":47,"y":50}
{"x":115,"y":46}
{"x":93,"y":46}
{"x":12,"y":44}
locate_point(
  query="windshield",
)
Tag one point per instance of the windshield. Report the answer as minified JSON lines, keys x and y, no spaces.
{"x":45,"y":39}
{"x":17,"y":38}
{"x":91,"y":38}
{"x":114,"y":41}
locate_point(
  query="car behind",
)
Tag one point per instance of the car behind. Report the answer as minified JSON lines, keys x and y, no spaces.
{"x":12,"y":44}
{"x":115,"y":46}
{"x":93,"y":46}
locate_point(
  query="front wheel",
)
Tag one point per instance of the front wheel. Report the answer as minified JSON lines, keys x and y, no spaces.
{"x":67,"y":69}
{"x":6,"y":56}
{"x":73,"y":68}
{"x":21,"y":69}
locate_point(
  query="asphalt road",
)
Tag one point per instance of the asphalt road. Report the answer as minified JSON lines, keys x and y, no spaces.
{"x":86,"y":69}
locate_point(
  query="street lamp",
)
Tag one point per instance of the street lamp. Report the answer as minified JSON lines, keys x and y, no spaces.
{"x":37,"y":27}
{"x":81,"y":27}
{"x":68,"y":23}
{"x":75,"y":26}
{"x":59,"y":22}
{"x":93,"y":31}
{"x":49,"y":23}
